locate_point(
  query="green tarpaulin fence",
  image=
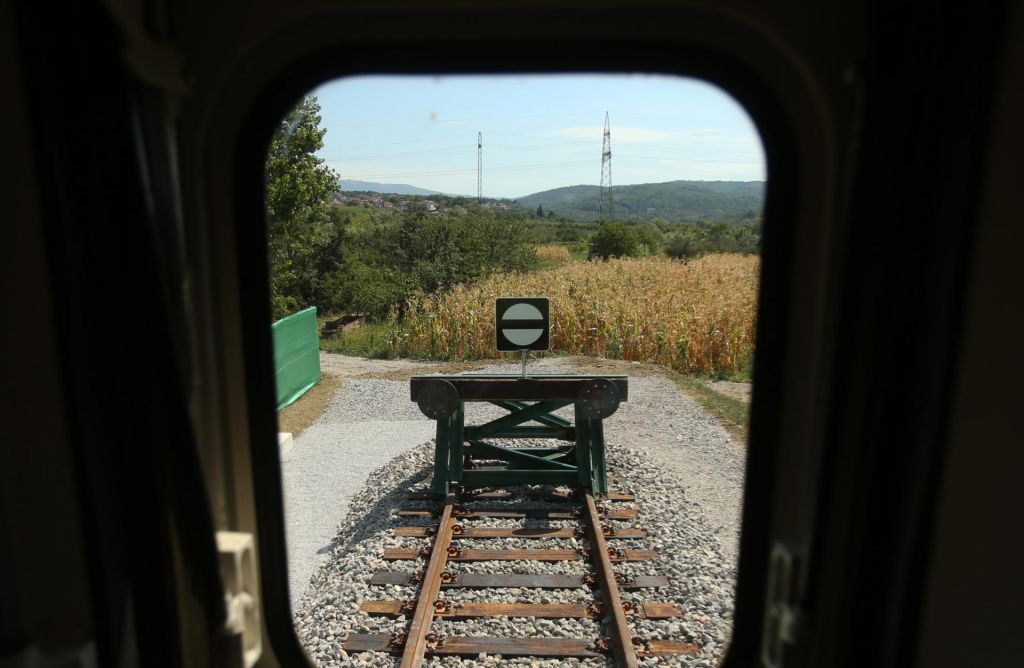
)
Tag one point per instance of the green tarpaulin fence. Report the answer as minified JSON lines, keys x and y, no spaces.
{"x":296,"y":356}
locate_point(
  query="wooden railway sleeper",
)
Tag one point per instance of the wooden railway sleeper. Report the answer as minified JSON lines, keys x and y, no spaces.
{"x":596,"y":610}
{"x":614,"y":553}
{"x":577,"y":512}
{"x":452,"y":551}
{"x":457,"y":529}
{"x":606,"y":531}
{"x":590,"y":580}
{"x":622,"y":579}
{"x":642,"y":645}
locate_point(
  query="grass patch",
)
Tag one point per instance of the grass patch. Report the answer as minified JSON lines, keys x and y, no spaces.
{"x":742,"y":374}
{"x":733,"y":413}
{"x":372,"y":341}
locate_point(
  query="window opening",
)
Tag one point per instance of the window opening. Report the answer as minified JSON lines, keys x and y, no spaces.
{"x":589,"y":509}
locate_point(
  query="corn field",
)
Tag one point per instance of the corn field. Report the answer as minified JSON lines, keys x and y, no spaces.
{"x":553,"y":253}
{"x":695,"y":317}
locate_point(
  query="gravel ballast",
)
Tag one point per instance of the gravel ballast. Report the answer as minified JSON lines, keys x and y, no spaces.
{"x":353,"y":469}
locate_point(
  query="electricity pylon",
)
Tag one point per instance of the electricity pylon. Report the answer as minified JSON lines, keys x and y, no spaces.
{"x":604,"y":195}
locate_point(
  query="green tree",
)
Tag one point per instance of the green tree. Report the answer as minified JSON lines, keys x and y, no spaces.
{"x":613,"y":239}
{"x":682,"y":246}
{"x":694,"y":240}
{"x":298,"y":190}
{"x":540,"y":211}
{"x":650,"y":237}
{"x":451,"y":248}
{"x":376,"y":290}
{"x":568,"y":232}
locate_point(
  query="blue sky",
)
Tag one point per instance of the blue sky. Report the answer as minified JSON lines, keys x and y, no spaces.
{"x":539,"y":132}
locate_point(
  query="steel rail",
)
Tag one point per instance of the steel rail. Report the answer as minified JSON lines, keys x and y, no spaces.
{"x":621,"y":636}
{"x":416,"y":640}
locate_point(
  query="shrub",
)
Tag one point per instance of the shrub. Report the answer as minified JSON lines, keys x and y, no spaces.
{"x":614,"y":240}
{"x":376,"y":290}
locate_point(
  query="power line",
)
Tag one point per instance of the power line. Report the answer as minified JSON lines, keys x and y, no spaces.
{"x":450,"y":172}
{"x":396,"y":143}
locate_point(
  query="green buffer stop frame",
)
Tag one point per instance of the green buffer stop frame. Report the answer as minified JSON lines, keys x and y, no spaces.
{"x":580,"y":463}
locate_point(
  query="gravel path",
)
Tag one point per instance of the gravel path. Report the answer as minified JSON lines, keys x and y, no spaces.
{"x":344,"y":366}
{"x":366,"y":425}
{"x":350,"y":470}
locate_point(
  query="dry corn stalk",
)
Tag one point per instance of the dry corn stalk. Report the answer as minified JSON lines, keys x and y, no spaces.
{"x":697,"y":316}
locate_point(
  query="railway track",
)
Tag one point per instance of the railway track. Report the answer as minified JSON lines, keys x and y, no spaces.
{"x":595,"y":523}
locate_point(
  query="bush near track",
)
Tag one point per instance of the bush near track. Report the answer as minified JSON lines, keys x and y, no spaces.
{"x":695,"y":317}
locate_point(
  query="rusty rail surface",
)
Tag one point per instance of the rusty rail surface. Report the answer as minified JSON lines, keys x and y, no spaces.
{"x":621,"y":636}
{"x":617,"y":639}
{"x":416,"y":642}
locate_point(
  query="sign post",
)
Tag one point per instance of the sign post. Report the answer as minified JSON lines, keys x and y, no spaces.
{"x":523,"y":324}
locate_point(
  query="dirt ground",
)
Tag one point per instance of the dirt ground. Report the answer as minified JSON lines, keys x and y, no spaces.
{"x":295,"y":418}
{"x":336,"y":368}
{"x":740,"y":391}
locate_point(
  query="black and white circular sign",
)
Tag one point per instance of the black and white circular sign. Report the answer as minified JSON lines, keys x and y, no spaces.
{"x":521,"y":323}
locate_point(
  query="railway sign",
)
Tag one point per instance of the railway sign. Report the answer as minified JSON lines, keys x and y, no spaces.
{"x":521,"y":323}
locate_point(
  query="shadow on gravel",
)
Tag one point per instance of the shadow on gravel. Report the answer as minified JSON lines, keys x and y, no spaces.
{"x":370,"y":522}
{"x":380,"y":512}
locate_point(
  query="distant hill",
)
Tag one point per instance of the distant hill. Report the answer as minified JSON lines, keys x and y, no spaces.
{"x":390,"y":188}
{"x":675,"y":200}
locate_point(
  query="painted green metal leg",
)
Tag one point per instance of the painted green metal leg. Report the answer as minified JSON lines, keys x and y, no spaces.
{"x":548,"y":419}
{"x":458,"y":432}
{"x":600,"y":471}
{"x":582,"y":447}
{"x":531,"y":412}
{"x":442,"y":455}
{"x":515,"y":458}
